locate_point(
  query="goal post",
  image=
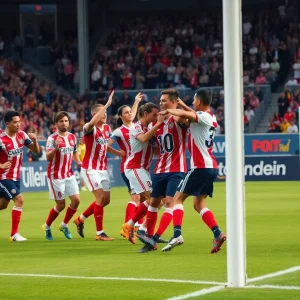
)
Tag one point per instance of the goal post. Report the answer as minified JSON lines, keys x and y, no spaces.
{"x":234,"y":143}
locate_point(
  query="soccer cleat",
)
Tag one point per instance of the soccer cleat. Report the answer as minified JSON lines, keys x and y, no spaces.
{"x":173,"y":243}
{"x":147,"y":248}
{"x":80,"y":226}
{"x":218,"y":242}
{"x":162,"y":241}
{"x":140,"y":232}
{"x":147,"y":240}
{"x":123,"y":234}
{"x":103,"y":237}
{"x":66,"y":231}
{"x":129,"y":231}
{"x":48,"y":233}
{"x":84,"y":189}
{"x":17,"y":238}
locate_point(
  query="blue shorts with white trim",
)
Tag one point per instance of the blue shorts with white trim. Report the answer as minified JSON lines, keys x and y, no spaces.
{"x":198,"y":182}
{"x":9,"y":189}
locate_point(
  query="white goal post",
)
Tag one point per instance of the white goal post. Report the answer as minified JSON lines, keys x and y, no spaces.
{"x":234,"y":143}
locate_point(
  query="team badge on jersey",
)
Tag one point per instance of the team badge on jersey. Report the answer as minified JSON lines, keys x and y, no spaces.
{"x":171,"y":125}
{"x":21,"y":141}
{"x":13,"y":191}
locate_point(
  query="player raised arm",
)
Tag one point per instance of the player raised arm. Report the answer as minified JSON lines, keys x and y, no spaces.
{"x":51,"y":148}
{"x":189,"y":115}
{"x":138,"y":99}
{"x":145,"y":137}
{"x":34,"y":146}
{"x":181,"y":104}
{"x":100,"y":114}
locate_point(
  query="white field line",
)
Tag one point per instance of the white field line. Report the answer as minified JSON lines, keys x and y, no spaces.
{"x":198,"y":293}
{"x":275,"y":274}
{"x":277,"y":287}
{"x":115,"y":278}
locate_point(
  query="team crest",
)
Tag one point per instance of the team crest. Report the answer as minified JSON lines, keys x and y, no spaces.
{"x":171,"y":125}
{"x":137,"y":127}
{"x":13,"y":191}
{"x":21,"y":141}
{"x":96,"y":184}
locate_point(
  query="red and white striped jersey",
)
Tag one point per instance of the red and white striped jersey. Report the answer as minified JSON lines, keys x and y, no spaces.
{"x":121,"y":136}
{"x":171,"y":141}
{"x":60,"y":166}
{"x":96,"y":148}
{"x":141,"y":153}
{"x":11,"y":149}
{"x":202,"y":133}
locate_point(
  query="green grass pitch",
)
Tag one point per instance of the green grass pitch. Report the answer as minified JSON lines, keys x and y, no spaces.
{"x":272,"y":224}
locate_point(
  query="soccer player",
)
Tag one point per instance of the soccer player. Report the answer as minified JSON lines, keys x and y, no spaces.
{"x":138,"y":163}
{"x":61,"y":151}
{"x":81,"y":152}
{"x":169,"y":171}
{"x":121,"y":137}
{"x":198,"y":182}
{"x":94,"y":168}
{"x":12,"y":142}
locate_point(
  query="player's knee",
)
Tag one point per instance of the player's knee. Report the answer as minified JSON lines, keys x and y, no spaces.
{"x":197,"y":207}
{"x":75,"y":202}
{"x":19,"y":200}
{"x":60,"y":205}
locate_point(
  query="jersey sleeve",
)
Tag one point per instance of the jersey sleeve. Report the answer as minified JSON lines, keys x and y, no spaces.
{"x":136,"y":130}
{"x":85,"y":132}
{"x":50,"y":144}
{"x":27,"y":140}
{"x":203,"y":118}
{"x":116,"y":135}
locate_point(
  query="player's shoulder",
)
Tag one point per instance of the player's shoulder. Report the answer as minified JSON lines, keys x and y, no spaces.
{"x":54,"y":135}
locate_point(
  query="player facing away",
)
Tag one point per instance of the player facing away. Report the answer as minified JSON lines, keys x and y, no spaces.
{"x":138,"y":163}
{"x":121,"y":137}
{"x":199,"y":180}
{"x":61,"y":150}
{"x":12,"y":142}
{"x":169,"y":171}
{"x":94,"y":168}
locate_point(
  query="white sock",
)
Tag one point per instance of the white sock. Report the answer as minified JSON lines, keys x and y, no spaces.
{"x":99,"y":232}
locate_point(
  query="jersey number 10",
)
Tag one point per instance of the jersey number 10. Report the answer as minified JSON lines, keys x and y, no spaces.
{"x":166,"y":143}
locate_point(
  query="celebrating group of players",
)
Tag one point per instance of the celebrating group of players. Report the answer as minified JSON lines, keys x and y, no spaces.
{"x":162,"y":133}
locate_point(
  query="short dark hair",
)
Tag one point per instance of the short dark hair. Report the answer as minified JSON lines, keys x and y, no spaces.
{"x":60,"y":115}
{"x":204,"y":96}
{"x":96,"y":106}
{"x":9,"y":115}
{"x":172,"y":93}
{"x":146,"y":108}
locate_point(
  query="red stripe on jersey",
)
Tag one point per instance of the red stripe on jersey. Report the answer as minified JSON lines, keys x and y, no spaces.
{"x":60,"y":166}
{"x":170,"y":138}
{"x":96,"y":148}
{"x":52,"y":188}
{"x":12,"y":151}
{"x":197,"y":156}
{"x":123,"y":143}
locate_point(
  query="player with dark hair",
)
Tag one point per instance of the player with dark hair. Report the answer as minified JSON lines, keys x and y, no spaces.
{"x":94,"y":168}
{"x":169,"y":171}
{"x":138,"y":163}
{"x":12,"y":142}
{"x":61,"y":151}
{"x":199,"y":180}
{"x":121,"y":137}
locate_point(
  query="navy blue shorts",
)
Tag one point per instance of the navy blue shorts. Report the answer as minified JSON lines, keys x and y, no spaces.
{"x":9,"y":189}
{"x":165,"y":184}
{"x":126,"y":181}
{"x":199,"y":182}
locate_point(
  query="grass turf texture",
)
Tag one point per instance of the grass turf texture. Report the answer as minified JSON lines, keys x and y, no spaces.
{"x":272,"y":219}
